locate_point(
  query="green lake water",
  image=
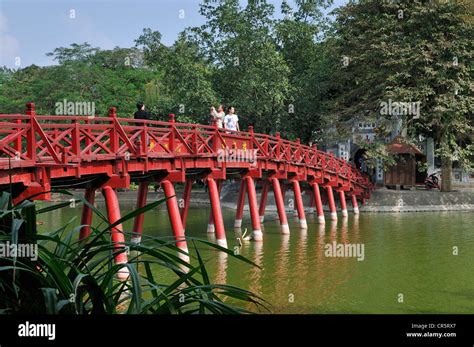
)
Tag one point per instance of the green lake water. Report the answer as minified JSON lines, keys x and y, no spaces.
{"x":406,"y":255}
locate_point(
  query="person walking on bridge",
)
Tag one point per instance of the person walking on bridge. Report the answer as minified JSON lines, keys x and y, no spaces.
{"x":141,"y":113}
{"x":231,"y":120}
{"x":218,"y":116}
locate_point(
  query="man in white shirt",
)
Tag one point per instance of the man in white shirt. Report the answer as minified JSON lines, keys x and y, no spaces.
{"x":231,"y":120}
{"x":218,"y":115}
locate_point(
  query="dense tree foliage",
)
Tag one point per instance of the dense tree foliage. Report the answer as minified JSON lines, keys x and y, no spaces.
{"x":287,"y":69}
{"x":410,"y":51}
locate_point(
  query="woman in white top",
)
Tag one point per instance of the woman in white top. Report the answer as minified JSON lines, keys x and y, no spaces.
{"x":231,"y":120}
{"x":218,"y":115}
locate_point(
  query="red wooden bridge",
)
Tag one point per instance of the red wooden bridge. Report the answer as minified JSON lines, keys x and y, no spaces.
{"x":38,"y":153}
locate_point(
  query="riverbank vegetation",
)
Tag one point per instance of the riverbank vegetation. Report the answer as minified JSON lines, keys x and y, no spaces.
{"x":292,"y":69}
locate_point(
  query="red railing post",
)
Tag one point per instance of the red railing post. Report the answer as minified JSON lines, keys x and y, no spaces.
{"x":17,"y":145}
{"x":75,"y":139}
{"x":216,"y":145}
{"x":315,"y":155}
{"x":171,"y":144}
{"x":114,"y":145}
{"x":143,"y":145}
{"x":195,"y":139}
{"x":278,"y":146}
{"x":31,"y":135}
{"x":252,"y":138}
{"x":298,"y":150}
{"x":87,"y":140}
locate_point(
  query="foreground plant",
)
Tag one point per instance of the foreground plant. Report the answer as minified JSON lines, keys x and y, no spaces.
{"x":79,"y":277}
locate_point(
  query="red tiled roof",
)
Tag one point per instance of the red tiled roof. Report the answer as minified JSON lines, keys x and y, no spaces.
{"x":400,"y":146}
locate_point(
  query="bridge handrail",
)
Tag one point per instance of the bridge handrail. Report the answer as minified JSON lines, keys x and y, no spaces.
{"x":136,"y":133}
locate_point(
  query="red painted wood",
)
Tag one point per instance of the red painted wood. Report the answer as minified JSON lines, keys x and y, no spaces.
{"x":173,"y":213}
{"x":86,"y":218}
{"x":139,"y":219}
{"x":43,"y":150}
{"x":113,"y":212}
{"x":217,"y":212}
{"x":186,"y":198}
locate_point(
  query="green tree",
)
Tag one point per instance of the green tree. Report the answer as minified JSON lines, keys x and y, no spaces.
{"x":410,"y":51}
{"x":299,"y":34}
{"x":184,"y":84}
{"x":249,"y":72}
{"x":105,"y":77}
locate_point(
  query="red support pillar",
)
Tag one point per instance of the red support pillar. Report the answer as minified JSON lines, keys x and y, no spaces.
{"x":186,"y":198}
{"x":118,"y":238}
{"x":354,"y":204}
{"x":332,"y":204}
{"x":211,"y":228}
{"x":263,"y":201}
{"x":217,"y":212}
{"x":240,"y":205}
{"x":86,"y":218}
{"x":280,"y":203}
{"x":138,"y":222}
{"x":252,"y":195}
{"x":318,"y":202}
{"x":174,"y":216}
{"x":299,"y":204}
{"x":342,"y":197}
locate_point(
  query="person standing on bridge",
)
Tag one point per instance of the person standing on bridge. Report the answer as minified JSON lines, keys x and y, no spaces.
{"x":218,"y":116}
{"x":141,"y":113}
{"x":231,"y":120}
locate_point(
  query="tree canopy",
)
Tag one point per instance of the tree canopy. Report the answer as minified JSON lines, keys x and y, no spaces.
{"x":290,"y":69}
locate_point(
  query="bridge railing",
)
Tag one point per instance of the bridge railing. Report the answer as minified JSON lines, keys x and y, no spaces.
{"x":29,"y":140}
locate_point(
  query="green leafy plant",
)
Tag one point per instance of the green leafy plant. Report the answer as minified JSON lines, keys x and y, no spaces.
{"x":79,"y":277}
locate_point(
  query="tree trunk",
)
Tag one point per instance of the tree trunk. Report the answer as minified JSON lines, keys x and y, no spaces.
{"x":446,"y":171}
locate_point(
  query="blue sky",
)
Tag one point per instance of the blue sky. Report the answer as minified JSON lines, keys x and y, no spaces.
{"x":31,"y":28}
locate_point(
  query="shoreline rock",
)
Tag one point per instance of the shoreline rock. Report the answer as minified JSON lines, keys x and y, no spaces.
{"x":381,"y":201}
